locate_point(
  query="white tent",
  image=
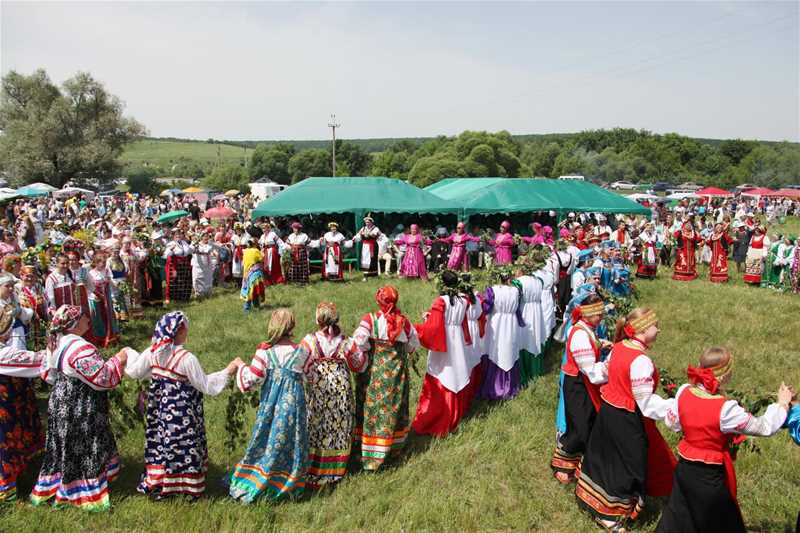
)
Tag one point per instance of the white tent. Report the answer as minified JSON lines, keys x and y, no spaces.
{"x":641,"y":196}
{"x":66,"y":192}
{"x":682,"y":196}
{"x":42,"y":186}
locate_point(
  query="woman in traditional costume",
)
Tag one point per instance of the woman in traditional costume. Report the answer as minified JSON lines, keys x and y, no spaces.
{"x":476,"y":326}
{"x":298,"y":244}
{"x":239,"y":241}
{"x":253,"y":291}
{"x":584,"y":372}
{"x":686,"y":240}
{"x":501,"y":374}
{"x":80,"y":457}
{"x":382,"y":419}
{"x":703,"y":497}
{"x":271,"y":245}
{"x":720,"y":243}
{"x":532,"y":335}
{"x":275,"y":462}
{"x":31,"y":295}
{"x":503,"y":244}
{"x":329,"y":397}
{"x":445,"y":395}
{"x":778,"y":273}
{"x":368,"y":236}
{"x":332,"y":259}
{"x":120,"y":287}
{"x":621,"y":235}
{"x":549,"y":276}
{"x":104,"y":329}
{"x":59,"y":287}
{"x":178,"y":270}
{"x":413,"y":259}
{"x":80,"y":277}
{"x":626,"y":457}
{"x":21,"y":435}
{"x":458,"y":259}
{"x":647,"y":266}
{"x":203,"y":263}
{"x":175,"y":453}
{"x":756,"y":252}
{"x":132,"y":256}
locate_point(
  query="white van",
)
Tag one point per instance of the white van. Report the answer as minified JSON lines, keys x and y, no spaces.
{"x":581,"y":178}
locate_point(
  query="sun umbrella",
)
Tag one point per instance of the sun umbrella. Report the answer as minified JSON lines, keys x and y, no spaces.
{"x":232,"y":192}
{"x":172,"y":215}
{"x":191,"y":190}
{"x":219,"y":212}
{"x":219,"y":197}
{"x":171,"y":192}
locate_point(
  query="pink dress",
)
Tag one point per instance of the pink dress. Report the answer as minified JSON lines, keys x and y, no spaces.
{"x":458,"y":259}
{"x":503,"y":244}
{"x":413,"y":260}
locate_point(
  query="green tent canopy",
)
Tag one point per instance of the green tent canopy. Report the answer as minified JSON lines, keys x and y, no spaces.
{"x":513,"y":195}
{"x":353,"y":195}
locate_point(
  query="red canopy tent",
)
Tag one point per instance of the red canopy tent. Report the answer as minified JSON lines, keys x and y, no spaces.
{"x":713,"y":191}
{"x":758,"y":191}
{"x":785,"y":193}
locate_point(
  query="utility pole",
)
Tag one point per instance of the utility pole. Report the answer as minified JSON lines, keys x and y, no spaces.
{"x":333,"y":125}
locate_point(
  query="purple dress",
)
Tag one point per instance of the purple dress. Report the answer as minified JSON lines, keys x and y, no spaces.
{"x":413,"y":260}
{"x":500,"y":367}
{"x":458,"y":259}
{"x":503,"y":244}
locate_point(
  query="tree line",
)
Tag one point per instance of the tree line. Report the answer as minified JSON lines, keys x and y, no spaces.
{"x":78,"y":131}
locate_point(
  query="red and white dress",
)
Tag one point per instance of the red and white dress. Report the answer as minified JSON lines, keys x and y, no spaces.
{"x":59,"y":289}
{"x":445,"y":395}
{"x":718,"y":269}
{"x":332,"y":260}
{"x":271,"y":246}
{"x":704,"y":489}
{"x":754,"y":261}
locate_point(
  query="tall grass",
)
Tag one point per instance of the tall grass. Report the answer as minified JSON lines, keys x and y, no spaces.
{"x":492,"y":474}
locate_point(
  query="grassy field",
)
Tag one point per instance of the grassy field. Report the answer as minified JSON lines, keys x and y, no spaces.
{"x":167,"y":153}
{"x":492,"y":474}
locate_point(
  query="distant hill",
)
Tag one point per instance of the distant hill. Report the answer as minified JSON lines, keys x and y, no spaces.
{"x":167,"y":151}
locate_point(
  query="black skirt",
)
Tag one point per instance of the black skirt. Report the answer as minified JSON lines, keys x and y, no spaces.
{"x":700,"y":502}
{"x":612,"y":484}
{"x":580,"y":417}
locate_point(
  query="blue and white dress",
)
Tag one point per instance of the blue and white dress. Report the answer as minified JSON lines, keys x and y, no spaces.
{"x":275,"y":463}
{"x":176,"y":453}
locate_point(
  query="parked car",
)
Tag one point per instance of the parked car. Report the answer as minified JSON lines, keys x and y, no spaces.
{"x":644,"y":186}
{"x":795,"y":186}
{"x":690,"y":186}
{"x":623,"y":186}
{"x":661,"y":186}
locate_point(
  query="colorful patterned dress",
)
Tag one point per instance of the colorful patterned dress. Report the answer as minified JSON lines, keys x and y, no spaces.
{"x":299,"y":268}
{"x":685,"y":259}
{"x":382,"y":419}
{"x":21,"y":435}
{"x":275,"y":463}
{"x":104,"y":329}
{"x":253,"y":291}
{"x":80,"y":451}
{"x":175,"y":453}
{"x":754,"y":262}
{"x":331,"y":410}
{"x":178,"y":271}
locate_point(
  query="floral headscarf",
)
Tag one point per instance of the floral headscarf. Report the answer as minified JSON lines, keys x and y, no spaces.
{"x":64,"y":319}
{"x":164,"y":333}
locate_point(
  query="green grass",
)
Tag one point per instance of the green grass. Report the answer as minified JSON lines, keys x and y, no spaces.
{"x":167,"y":153}
{"x":493,"y":474}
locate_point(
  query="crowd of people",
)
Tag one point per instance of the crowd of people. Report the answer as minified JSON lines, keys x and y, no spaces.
{"x":74,"y":271}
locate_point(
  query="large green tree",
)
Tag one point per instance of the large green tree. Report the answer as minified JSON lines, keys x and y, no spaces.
{"x":313,"y":162}
{"x":52,"y":134}
{"x":272,"y":161}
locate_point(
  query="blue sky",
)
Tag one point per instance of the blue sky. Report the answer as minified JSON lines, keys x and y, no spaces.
{"x":276,"y":70}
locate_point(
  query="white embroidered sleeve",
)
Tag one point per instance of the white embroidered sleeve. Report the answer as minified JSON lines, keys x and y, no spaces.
{"x":734,"y":419}
{"x":642,"y":385}
{"x":362,"y":334}
{"x":20,"y":363}
{"x":583,"y":352}
{"x":253,"y":374}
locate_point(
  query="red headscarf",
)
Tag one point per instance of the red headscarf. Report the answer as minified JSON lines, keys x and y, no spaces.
{"x":387,"y":297}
